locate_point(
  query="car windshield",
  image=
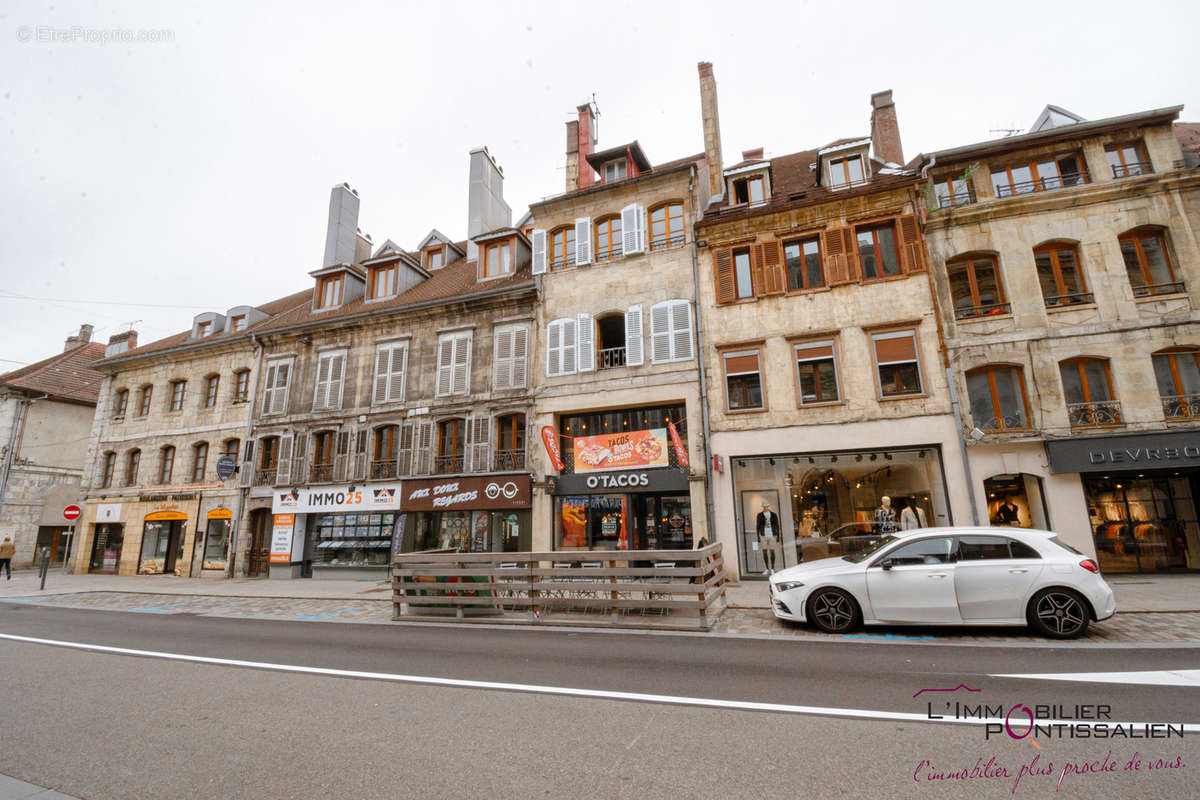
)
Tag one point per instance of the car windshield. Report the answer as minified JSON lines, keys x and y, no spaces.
{"x":873,"y":546}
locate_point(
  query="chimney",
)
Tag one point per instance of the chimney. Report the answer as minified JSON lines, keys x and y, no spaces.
{"x":362,"y":246}
{"x":585,"y":145}
{"x":711,"y":122}
{"x":340,"y":235}
{"x":120,"y":342}
{"x":77,"y":340}
{"x":753,"y":155}
{"x":486,"y":210}
{"x":572,"y":155}
{"x":885,"y":130}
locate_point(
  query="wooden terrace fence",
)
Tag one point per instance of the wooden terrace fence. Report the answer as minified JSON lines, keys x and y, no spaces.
{"x":626,"y":588}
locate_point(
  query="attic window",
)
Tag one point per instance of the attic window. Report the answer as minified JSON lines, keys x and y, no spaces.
{"x":497,"y":259}
{"x":239,"y":323}
{"x":748,"y":190}
{"x":383,"y":281}
{"x":329,"y":291}
{"x":614,"y":171}
{"x":846,"y":171}
{"x":435,"y":259}
{"x":203,"y":329}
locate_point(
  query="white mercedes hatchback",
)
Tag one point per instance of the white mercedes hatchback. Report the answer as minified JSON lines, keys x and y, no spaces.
{"x":949,"y":576}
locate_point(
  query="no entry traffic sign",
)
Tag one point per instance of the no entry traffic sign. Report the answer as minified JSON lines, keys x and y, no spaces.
{"x":72,"y":512}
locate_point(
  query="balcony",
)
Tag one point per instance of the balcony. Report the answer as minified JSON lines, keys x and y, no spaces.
{"x":560,"y":263}
{"x":1181,"y":406}
{"x":1005,"y":424}
{"x":1132,"y":169}
{"x":609,"y":253}
{"x":1042,"y":184}
{"x":265,"y":476}
{"x":448,"y":464}
{"x":665,"y":242}
{"x":384,"y":469}
{"x":1092,"y":415}
{"x":972,"y":312}
{"x":610,"y":357}
{"x":508,"y":460}
{"x":1150,"y":290}
{"x":959,"y":199}
{"x":1073,"y":299}
{"x":320,"y":473}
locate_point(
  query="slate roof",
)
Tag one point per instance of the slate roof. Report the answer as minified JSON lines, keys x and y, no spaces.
{"x":69,"y":375}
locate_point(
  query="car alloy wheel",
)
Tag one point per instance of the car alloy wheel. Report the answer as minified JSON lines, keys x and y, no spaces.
{"x":833,"y":611}
{"x":1060,"y":613}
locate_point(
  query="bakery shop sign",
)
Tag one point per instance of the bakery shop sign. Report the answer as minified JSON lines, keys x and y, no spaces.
{"x":493,"y":491}
{"x":621,"y":451}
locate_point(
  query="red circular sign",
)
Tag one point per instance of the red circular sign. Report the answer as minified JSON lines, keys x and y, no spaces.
{"x":72,"y":512}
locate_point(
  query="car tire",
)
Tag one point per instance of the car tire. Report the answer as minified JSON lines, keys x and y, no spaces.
{"x":1058,"y":613}
{"x":833,"y":611}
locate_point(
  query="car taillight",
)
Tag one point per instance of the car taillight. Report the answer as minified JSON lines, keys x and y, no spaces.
{"x":1090,"y":566}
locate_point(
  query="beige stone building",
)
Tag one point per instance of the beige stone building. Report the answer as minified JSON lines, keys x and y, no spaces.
{"x":1067,"y":269}
{"x":46,"y":413}
{"x":619,"y":402}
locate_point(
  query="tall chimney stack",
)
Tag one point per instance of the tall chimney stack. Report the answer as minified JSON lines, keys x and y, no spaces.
{"x":120,"y":342}
{"x":585,"y":145}
{"x":83,"y":337}
{"x":486,"y":209}
{"x":711,"y":122}
{"x":342,"y":233}
{"x":572,"y":155}
{"x":885,"y":129}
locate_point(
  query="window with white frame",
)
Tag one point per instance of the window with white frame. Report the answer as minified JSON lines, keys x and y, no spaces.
{"x":510,"y":357}
{"x":454,"y":363}
{"x":897,"y":363}
{"x":331,"y":369}
{"x":276,"y":385}
{"x":560,"y":347}
{"x":391,"y":362}
{"x":614,"y":171}
{"x":671,"y":331}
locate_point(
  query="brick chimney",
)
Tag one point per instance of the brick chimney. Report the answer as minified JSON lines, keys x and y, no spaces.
{"x":120,"y":342}
{"x":83,"y":337}
{"x":711,"y":123}
{"x":885,"y":130}
{"x":581,"y":142}
{"x":753,"y":155}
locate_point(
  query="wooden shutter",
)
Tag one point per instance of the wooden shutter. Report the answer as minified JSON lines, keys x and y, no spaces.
{"x":445,"y":368}
{"x":283,"y":374}
{"x":837,"y":265}
{"x":246,"y":472}
{"x":502,"y":357}
{"x":404,"y":450}
{"x":299,"y":448}
{"x":583,"y":240}
{"x":479,"y":432}
{"x":520,"y":357}
{"x":912,"y":248}
{"x":460,"y":379}
{"x":337,"y":375}
{"x":383,"y":369}
{"x":757,"y":281}
{"x":660,"y":333}
{"x":321,"y":393}
{"x":632,"y":229}
{"x":554,"y":348}
{"x":359,"y":456}
{"x":538,"y":244}
{"x":723,"y":278}
{"x":269,"y":391}
{"x":633,"y":337}
{"x":774,"y":277}
{"x":399,"y":369}
{"x":341,"y":456}
{"x":424,"y":447}
{"x":681,"y":330}
{"x":585,"y":352}
{"x":283,"y":461}
{"x":568,"y":346}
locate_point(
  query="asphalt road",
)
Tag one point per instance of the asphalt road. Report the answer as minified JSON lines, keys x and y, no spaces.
{"x":101,"y":725}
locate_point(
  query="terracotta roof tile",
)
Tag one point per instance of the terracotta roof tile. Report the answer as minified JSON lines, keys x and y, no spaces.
{"x":68,"y":375}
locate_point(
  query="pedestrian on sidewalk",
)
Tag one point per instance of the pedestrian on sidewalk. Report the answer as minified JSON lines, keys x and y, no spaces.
{"x":7,"y":551}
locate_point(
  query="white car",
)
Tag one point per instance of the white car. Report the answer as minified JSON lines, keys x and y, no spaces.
{"x":949,"y":576}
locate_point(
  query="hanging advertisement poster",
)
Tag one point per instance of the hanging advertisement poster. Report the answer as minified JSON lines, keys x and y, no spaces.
{"x":550,"y":440}
{"x":681,"y":455}
{"x":626,"y":450}
{"x":281,"y":538}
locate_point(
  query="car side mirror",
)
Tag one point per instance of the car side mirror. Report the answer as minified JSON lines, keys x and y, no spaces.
{"x":886,"y":563}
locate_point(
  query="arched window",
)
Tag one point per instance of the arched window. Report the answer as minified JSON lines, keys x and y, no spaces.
{"x":199,"y":461}
{"x":241,"y":386}
{"x":1148,"y":262}
{"x":1088,"y":391}
{"x":998,"y":400}
{"x":510,"y":442}
{"x":666,"y":226}
{"x":1177,"y":372}
{"x":1061,"y":274}
{"x":166,"y":464}
{"x":132,"y":463}
{"x":975,"y":286}
{"x":383,"y":452}
{"x":608,"y":238}
{"x":562,"y":247}
{"x":451,"y":445}
{"x":211,"y":384}
{"x":230,"y":448}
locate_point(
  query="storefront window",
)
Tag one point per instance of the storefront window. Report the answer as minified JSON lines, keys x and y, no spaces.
{"x":106,"y":548}
{"x":162,"y":547}
{"x":215,"y":544}
{"x":351,"y":540}
{"x":1016,"y":501}
{"x":600,"y":423}
{"x":1143,"y":524}
{"x":469,"y":531}
{"x":595,"y":522}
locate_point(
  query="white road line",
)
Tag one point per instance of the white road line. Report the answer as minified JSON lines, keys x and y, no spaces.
{"x":528,"y":688}
{"x":1161,"y":677}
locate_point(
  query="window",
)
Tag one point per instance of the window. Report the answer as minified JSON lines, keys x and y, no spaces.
{"x":454,"y":363}
{"x":383,"y":281}
{"x":926,"y":551}
{"x":612,"y":352}
{"x":748,"y":190}
{"x":896,"y":362}
{"x":435,"y":259}
{"x":322,"y":456}
{"x":166,"y":464}
{"x":241,"y":385}
{"x":666,"y":226}
{"x":106,"y":470}
{"x":275,"y":392}
{"x":510,"y":357}
{"x":383,"y":456}
{"x":329,"y":291}
{"x":199,"y":461}
{"x":741,"y":270}
{"x":1178,"y":377}
{"x":121,"y":404}
{"x":510,"y":442}
{"x":210,"y":390}
{"x":391,"y":363}
{"x":1088,"y":390}
{"x":204,"y":329}
{"x":1035,"y":176}
{"x":1128,"y":159}
{"x":846,"y":171}
{"x":614,"y":171}
{"x":998,"y":401}
{"x":562,"y":248}
{"x":743,"y":381}
{"x":803,"y":264}
{"x":331,"y":369}
{"x":231,"y":448}
{"x":451,"y":444}
{"x":816,"y":372}
{"x":144,"y":400}
{"x":132,"y":464}
{"x":670,"y":331}
{"x":268,"y":457}
{"x":178,"y":393}
{"x":1147,"y":263}
{"x":608,"y":238}
{"x":560,"y":347}
{"x":238,"y":323}
{"x":497,"y":260}
{"x":975,"y":287}
{"x":1060,"y":275}
{"x":950,"y":192}
{"x":877,"y":251}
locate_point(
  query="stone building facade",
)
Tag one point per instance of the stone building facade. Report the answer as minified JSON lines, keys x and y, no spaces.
{"x":1067,"y":272}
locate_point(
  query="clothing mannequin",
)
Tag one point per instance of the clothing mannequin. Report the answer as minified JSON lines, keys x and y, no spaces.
{"x":1007,"y":513}
{"x":908,"y":517}
{"x":767,"y":527}
{"x":885,"y":517}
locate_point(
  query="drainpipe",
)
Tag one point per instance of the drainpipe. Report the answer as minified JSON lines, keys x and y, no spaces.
{"x":244,"y":490}
{"x":18,"y":422}
{"x":708,"y":477}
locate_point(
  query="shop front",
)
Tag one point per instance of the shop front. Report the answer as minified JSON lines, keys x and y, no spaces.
{"x":334,"y":531}
{"x":163,"y":534}
{"x":485,"y":514}
{"x":216,"y":539}
{"x":1141,"y":492}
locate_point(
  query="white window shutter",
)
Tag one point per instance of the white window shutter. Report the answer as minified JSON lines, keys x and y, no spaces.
{"x":359,"y":454}
{"x":445,"y":369}
{"x":462,"y":364}
{"x":568,"y":346}
{"x":404,"y":452}
{"x":478,"y":435}
{"x":246,"y":471}
{"x":681,"y":331}
{"x":554,"y":348}
{"x":383,"y":368}
{"x":425,"y":444}
{"x":631,"y":229}
{"x":299,"y":448}
{"x":583,"y":240}
{"x":502,"y":356}
{"x":399,"y":369}
{"x":283,"y":373}
{"x":269,"y":391}
{"x":660,"y":333}
{"x":337,"y":374}
{"x":341,"y":457}
{"x":538,"y":243}
{"x":283,"y":461}
{"x":586,"y":349}
{"x":633,"y":336}
{"x":321,"y":393}
{"x":520,"y":357}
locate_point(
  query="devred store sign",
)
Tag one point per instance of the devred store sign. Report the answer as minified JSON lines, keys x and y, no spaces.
{"x":625,"y":450}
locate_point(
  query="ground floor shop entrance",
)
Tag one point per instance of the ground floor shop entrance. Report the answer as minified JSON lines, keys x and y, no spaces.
{"x":489,"y":514}
{"x":57,"y":539}
{"x":106,"y":548}
{"x":162,"y":544}
{"x":259,"y":555}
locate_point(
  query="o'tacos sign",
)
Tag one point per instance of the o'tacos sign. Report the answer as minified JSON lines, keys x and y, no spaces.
{"x":1164,"y":450}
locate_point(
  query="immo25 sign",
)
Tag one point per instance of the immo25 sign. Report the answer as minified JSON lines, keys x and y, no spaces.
{"x":336,"y":498}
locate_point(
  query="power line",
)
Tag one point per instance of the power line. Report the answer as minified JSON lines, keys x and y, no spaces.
{"x":7,"y":296}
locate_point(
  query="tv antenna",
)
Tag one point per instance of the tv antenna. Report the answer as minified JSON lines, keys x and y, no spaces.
{"x":129,"y":325}
{"x":1006,"y":131}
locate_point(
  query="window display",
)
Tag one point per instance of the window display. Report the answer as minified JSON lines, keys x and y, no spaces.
{"x":1016,"y":501}
{"x":351,"y":540}
{"x":470,"y":531}
{"x":1143,"y":524}
{"x":216,"y":543}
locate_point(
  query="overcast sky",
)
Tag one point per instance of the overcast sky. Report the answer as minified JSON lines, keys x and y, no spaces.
{"x":194,"y":173}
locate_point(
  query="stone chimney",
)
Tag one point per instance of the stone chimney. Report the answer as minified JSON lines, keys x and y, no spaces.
{"x":581,"y":143}
{"x":342,"y":231}
{"x":753,"y":155}
{"x":885,"y":130}
{"x":711,"y":123}
{"x":486,"y":209}
{"x":362,"y":246}
{"x":83,"y":337}
{"x":120,"y":342}
{"x":572,"y":155}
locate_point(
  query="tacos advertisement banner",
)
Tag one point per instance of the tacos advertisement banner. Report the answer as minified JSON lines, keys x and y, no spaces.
{"x":626,"y":450}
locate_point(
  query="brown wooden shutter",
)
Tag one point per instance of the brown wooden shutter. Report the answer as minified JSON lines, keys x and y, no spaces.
{"x":757,"y":281}
{"x":837,"y":269}
{"x":775,"y":281}
{"x":853,"y":264}
{"x":723,"y":278}
{"x":912,"y":249}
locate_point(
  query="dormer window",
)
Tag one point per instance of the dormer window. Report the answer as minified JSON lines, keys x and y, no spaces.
{"x":846,"y":171}
{"x":203,"y":329}
{"x":329,"y":291}
{"x":497,"y":259}
{"x":383,"y":281}
{"x":435,"y":259}
{"x":749,"y":190}
{"x":615,"y":171}
{"x":239,"y":323}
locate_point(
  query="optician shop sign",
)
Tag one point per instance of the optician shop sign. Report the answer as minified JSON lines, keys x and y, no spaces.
{"x":488,"y":492}
{"x":336,"y":499}
{"x":1167,"y":450}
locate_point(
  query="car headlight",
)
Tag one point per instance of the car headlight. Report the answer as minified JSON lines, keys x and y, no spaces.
{"x":787,"y":586}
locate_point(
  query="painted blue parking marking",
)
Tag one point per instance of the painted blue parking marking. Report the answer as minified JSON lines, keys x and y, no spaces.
{"x":886,"y":636}
{"x":160,"y":608}
{"x":327,"y":613}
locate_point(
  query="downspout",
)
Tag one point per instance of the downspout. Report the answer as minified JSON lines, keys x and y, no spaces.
{"x":244,"y":490}
{"x":18,"y":423}
{"x":707,"y":450}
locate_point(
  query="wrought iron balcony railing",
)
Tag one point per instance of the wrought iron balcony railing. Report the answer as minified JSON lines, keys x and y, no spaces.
{"x":1090,"y":415}
{"x":991,"y":309}
{"x":1129,"y":170}
{"x":1009,"y":422}
{"x":506,"y":460}
{"x":1042,"y":184}
{"x":609,"y":253}
{"x":1073,"y":299}
{"x":382,"y":469}
{"x":320,"y":473}
{"x":1149,"y":290}
{"x":265,"y":476}
{"x":957,"y":199}
{"x":611,"y":357}
{"x":1181,"y":406}
{"x":663,"y":242}
{"x":448,"y":464}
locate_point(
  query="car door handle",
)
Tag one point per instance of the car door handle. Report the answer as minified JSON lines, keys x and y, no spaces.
{"x":937,"y":574}
{"x":1018,"y":571}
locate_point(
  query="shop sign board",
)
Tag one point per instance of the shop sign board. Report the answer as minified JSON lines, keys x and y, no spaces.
{"x":681,"y":454}
{"x":1164,"y":450}
{"x":226,"y":466}
{"x":337,"y":499}
{"x":108,"y":512}
{"x":550,"y":440}
{"x":484,"y":492}
{"x":281,"y":538}
{"x":620,"y":451}
{"x":644,"y":480}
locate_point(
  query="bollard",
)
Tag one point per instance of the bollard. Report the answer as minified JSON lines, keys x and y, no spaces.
{"x":45,"y":565}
